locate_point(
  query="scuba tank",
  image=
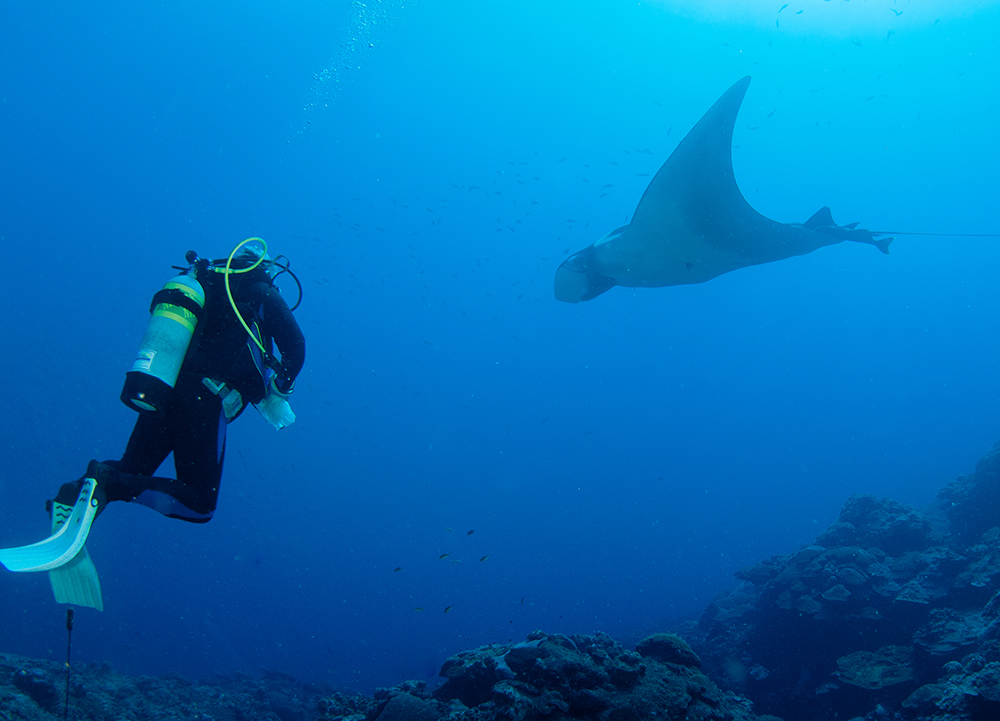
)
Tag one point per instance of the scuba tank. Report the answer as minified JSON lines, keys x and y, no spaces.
{"x":176,"y":310}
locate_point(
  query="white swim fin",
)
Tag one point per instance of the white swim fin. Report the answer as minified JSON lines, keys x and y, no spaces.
{"x":63,"y":545}
{"x":76,"y":581}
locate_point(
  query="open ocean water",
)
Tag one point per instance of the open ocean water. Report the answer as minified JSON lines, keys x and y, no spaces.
{"x":472,"y":459}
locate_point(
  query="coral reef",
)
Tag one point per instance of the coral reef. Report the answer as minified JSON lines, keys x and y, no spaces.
{"x":585,"y":677}
{"x":35,"y":690}
{"x":545,"y":677}
{"x":893,"y":610}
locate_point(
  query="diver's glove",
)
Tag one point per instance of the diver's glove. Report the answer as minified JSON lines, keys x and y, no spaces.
{"x":274,"y":407}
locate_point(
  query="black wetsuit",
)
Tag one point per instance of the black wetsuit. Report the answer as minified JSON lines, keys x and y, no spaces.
{"x":194,"y":426}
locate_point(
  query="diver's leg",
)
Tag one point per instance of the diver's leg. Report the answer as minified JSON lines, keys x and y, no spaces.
{"x":148,"y":447}
{"x":200,"y":446}
{"x":196,"y":426}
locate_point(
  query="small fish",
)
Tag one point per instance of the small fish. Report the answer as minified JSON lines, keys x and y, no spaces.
{"x":470,"y":532}
{"x":419,"y":609}
{"x":643,"y":175}
{"x":522,"y":601}
{"x":534,"y":202}
{"x":782,"y":7}
{"x":609,"y":185}
{"x":443,"y":556}
{"x":484,"y":558}
{"x":772,"y":113}
{"x":799,"y":12}
{"x":898,"y":12}
{"x":448,"y":608}
{"x":397,"y":569}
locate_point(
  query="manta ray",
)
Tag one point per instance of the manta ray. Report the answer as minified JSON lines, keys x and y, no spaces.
{"x":693,"y":224}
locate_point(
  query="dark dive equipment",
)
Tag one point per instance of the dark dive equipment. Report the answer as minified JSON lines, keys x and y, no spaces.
{"x":176,"y":310}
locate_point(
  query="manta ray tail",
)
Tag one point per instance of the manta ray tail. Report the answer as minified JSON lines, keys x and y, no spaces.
{"x":882,"y":244}
{"x":822,"y":222}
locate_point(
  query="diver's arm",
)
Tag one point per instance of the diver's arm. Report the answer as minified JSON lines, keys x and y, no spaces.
{"x":287,"y":335}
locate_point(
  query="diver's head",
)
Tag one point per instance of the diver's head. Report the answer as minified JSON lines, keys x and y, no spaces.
{"x":251,"y":253}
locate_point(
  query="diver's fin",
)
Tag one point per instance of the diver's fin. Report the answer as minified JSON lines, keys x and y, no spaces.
{"x":76,"y":581}
{"x":63,"y":545}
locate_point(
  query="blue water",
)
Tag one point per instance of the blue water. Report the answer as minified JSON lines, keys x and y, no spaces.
{"x":617,"y":460}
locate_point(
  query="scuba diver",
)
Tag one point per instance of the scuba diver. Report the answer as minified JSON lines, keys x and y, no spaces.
{"x":206,"y":354}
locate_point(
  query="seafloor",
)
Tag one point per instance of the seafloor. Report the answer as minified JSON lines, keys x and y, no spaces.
{"x":893,"y":614}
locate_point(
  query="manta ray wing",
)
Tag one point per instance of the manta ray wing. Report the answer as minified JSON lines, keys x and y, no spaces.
{"x":694,"y":194}
{"x":692,"y":223}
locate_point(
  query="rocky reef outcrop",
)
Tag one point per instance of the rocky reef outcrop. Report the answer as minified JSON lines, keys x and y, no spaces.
{"x":546,"y":677}
{"x":584,"y":677}
{"x":35,"y":690}
{"x":892,"y":612}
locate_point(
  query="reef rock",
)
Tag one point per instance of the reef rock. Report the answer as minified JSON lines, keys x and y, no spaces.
{"x":870,"y":522}
{"x":585,"y":677}
{"x":887,"y":666}
{"x":668,"y":648}
{"x":34,"y":690}
{"x":892,"y":608}
{"x":972,"y":503}
{"x":546,"y":677}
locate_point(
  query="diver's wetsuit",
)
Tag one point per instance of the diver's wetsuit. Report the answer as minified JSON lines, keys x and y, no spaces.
{"x":194,"y":426}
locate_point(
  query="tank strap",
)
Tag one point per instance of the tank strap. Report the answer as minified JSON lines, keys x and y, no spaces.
{"x":178,"y":298}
